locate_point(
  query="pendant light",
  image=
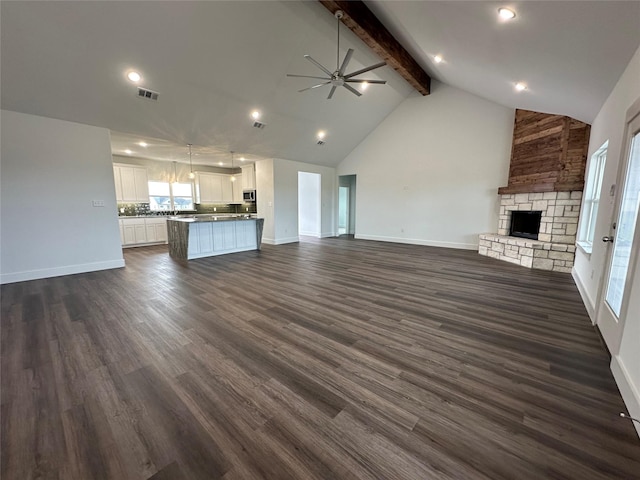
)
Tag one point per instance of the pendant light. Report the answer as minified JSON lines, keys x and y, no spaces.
{"x":233,"y":177}
{"x":191,"y":174}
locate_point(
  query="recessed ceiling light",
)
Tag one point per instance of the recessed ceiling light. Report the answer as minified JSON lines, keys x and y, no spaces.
{"x":364,"y":86}
{"x":506,"y":13}
{"x":128,"y":152}
{"x":437,"y":58}
{"x":321,"y":134}
{"x":521,"y":86}
{"x":220,"y":163}
{"x":143,"y":144}
{"x":255,"y":114}
{"x":242,"y":159}
{"x":134,"y":76}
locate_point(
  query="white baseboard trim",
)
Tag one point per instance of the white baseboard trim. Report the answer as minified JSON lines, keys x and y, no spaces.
{"x":280,"y":241}
{"x":327,"y":234}
{"x":586,"y":299}
{"x":310,"y":234}
{"x":59,"y":271}
{"x":629,"y":391}
{"x":418,"y":241}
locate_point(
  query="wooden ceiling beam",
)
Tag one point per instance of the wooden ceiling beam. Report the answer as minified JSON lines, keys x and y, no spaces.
{"x":370,"y":30}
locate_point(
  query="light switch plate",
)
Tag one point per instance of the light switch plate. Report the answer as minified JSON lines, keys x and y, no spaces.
{"x":98,"y":203}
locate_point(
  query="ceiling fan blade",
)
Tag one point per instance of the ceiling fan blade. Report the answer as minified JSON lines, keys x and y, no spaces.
{"x":351,"y":89}
{"x":379,"y":82}
{"x":315,"y":86}
{"x":308,"y":57}
{"x":368,"y":69}
{"x":345,"y":62}
{"x":306,"y":76}
{"x":333,"y":89}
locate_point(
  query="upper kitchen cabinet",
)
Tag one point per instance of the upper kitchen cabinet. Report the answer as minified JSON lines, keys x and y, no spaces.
{"x":248,"y":177}
{"x":214,"y":188}
{"x":227,"y":189}
{"x":237,"y":189}
{"x":132,"y":184}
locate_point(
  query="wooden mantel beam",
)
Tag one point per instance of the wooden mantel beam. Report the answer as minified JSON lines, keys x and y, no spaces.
{"x":370,"y":30}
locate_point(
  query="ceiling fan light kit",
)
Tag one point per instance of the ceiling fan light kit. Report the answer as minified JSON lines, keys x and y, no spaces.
{"x":338,"y":78}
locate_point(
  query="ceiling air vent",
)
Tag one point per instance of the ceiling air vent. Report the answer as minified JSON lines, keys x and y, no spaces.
{"x":258,"y":124}
{"x":146,"y":93}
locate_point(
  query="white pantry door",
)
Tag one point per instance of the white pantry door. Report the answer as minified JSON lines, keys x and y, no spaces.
{"x":624,"y":239}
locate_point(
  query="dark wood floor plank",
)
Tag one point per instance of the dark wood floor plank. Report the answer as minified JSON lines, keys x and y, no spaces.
{"x":326,"y":359}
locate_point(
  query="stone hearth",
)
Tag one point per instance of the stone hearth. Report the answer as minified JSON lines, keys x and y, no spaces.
{"x":555,"y":247}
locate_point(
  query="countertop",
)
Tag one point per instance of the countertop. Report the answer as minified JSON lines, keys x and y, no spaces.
{"x":231,"y":216}
{"x":211,"y":218}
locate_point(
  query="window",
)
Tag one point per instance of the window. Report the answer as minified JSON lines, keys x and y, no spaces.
{"x":168,"y":197}
{"x":592,"y":198}
{"x":182,"y":196}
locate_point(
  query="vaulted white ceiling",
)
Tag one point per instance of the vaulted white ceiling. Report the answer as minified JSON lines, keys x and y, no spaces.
{"x":215,"y":62}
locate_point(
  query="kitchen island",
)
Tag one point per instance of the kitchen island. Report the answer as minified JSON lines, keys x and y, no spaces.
{"x":197,"y":236}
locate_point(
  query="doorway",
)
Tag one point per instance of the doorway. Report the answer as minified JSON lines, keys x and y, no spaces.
{"x":343,"y":210}
{"x":346,"y":205}
{"x":309,"y":204}
{"x":623,"y":240}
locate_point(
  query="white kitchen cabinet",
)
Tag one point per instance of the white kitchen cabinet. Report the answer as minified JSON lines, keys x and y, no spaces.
{"x":142,"y":231}
{"x":117,"y":179}
{"x":129,"y":229}
{"x":227,"y":189}
{"x":237,"y":190}
{"x":249,"y":177}
{"x":210,"y":188}
{"x":150,"y":232}
{"x":156,"y":230}
{"x":218,"y":188}
{"x":131,"y":183}
{"x":219,"y":237}
{"x":141,"y":181}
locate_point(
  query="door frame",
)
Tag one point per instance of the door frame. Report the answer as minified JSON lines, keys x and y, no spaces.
{"x":610,"y":328}
{"x":347,"y":209}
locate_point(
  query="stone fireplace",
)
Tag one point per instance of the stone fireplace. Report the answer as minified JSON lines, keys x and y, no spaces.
{"x":555,"y":247}
{"x":546,"y":175}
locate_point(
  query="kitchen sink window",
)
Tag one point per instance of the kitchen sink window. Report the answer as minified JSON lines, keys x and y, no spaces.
{"x":165,"y":196}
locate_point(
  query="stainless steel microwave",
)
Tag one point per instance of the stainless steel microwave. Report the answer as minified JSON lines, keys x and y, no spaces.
{"x":249,"y":195}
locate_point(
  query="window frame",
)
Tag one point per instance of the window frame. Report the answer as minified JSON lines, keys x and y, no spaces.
{"x":173,"y":205}
{"x":591,"y":199}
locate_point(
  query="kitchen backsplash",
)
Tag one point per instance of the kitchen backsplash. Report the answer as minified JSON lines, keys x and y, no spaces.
{"x":224,"y":208}
{"x":133,"y":209}
{"x":137,"y":209}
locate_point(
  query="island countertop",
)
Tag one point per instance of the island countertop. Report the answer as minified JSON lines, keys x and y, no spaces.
{"x":211,"y":218}
{"x":197,"y":236}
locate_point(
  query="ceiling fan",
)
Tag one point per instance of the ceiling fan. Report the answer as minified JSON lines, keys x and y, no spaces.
{"x":338,"y":78}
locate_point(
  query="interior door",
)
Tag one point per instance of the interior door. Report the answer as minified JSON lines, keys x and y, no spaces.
{"x":623,"y":240}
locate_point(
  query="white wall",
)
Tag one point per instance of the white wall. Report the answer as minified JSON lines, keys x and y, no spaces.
{"x":51,"y":172}
{"x":277,"y":190}
{"x":265,"y":193}
{"x":609,"y":124}
{"x":429,"y":173}
{"x":623,"y":340}
{"x":309,"y":204}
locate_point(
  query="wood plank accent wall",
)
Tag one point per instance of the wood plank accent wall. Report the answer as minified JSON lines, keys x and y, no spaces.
{"x":549,"y":153}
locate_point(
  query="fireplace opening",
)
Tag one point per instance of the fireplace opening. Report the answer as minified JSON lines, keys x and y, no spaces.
{"x":525,"y":224}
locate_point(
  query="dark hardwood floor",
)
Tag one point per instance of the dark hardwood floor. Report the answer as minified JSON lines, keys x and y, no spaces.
{"x":332,"y":359}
